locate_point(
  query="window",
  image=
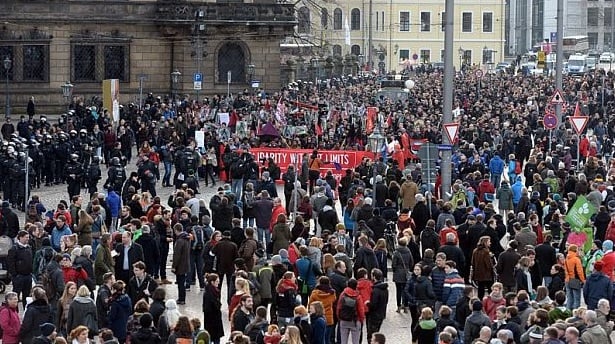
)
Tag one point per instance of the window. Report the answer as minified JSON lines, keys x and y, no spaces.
{"x":84,"y":63}
{"x":608,"y":17}
{"x":466,"y":22}
{"x":377,"y":20}
{"x":7,"y":51}
{"x":593,"y":39}
{"x":35,"y":63}
{"x":324,"y":18}
{"x":337,"y":50}
{"x":593,"y":14}
{"x":467,"y":57}
{"x":442,"y":55}
{"x":355,"y":19}
{"x":303,"y":19}
{"x":337,"y":19}
{"x":425,"y":55}
{"x":115,"y":57}
{"x":355,"y":50}
{"x":382,"y":16}
{"x":231,"y":58}
{"x":404,"y":54}
{"x":488,"y":22}
{"x":425,"y":21}
{"x":443,"y":21}
{"x":404,"y":21}
{"x":607,"y":39}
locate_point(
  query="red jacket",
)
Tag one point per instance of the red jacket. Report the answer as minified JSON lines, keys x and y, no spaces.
{"x":364,"y":287}
{"x":609,"y":264}
{"x":277,"y":210}
{"x":485,"y":187}
{"x":360,"y":303}
{"x":74,"y":275}
{"x":490,"y":305}
{"x":443,"y":234}
{"x":9,"y":320}
{"x":610,"y":232}
{"x":584,"y":147}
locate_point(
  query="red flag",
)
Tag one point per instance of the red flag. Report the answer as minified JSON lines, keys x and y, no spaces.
{"x":372,"y":115}
{"x":577,"y":111}
{"x":317,"y":128}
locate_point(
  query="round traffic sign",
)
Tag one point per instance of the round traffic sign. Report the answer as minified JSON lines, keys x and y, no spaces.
{"x":478,"y":73}
{"x":550,"y":121}
{"x":415,"y":57}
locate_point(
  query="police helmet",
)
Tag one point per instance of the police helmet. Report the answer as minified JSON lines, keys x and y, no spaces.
{"x":74,"y":156}
{"x":115,"y":161}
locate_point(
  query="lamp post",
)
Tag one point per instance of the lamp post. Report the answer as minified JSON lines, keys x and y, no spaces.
{"x":314,"y":64}
{"x":7,"y":67}
{"x":175,"y":82}
{"x":376,"y":140}
{"x":67,"y":92}
{"x":250,"y":69}
{"x":461,"y":52}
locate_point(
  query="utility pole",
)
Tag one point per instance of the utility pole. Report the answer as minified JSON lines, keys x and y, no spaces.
{"x":370,"y":57}
{"x":449,"y":83}
{"x":199,"y":27}
{"x":559,"y":56}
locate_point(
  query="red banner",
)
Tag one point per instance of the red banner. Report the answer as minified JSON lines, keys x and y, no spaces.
{"x":338,"y":161}
{"x":372,"y":117}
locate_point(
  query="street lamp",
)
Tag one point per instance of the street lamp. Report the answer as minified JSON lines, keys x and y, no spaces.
{"x":67,"y":92}
{"x":376,"y":140}
{"x":250,"y":69}
{"x":461,"y":52}
{"x":314,"y":63}
{"x":175,"y":75}
{"x":7,"y":67}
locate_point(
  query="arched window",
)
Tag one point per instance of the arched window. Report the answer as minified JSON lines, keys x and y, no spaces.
{"x":303,"y":17}
{"x":337,"y":50}
{"x":355,"y":50}
{"x":337,"y":19}
{"x":231,"y":57}
{"x":324,"y":18}
{"x":355,"y":19}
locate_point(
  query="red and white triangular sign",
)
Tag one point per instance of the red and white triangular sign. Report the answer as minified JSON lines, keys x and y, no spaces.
{"x":451,"y":130}
{"x":579,"y":123}
{"x":558,"y":97}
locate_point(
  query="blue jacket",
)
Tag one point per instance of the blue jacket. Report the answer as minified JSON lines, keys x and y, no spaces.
{"x":319,"y":326}
{"x":496,"y":165}
{"x":516,"y":190}
{"x":453,"y":288}
{"x":304,"y":271}
{"x":119,"y":311}
{"x":598,"y":286}
{"x":348,"y":222}
{"x":115,"y":203}
{"x":437,"y":280}
{"x":57,"y":234}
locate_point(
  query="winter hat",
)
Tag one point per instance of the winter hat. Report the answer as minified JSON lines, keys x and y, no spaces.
{"x":5,"y":204}
{"x":535,"y":195}
{"x":300,"y":241}
{"x":419,"y":198}
{"x":206,"y":220}
{"x":145,"y":229}
{"x":47,"y":329}
{"x":477,"y":306}
{"x":146,"y":320}
{"x":607,"y":245}
{"x":276,"y":260}
{"x":536,"y":333}
{"x":378,"y":179}
{"x":368,"y":201}
{"x":598,"y":265}
{"x":284,"y":253}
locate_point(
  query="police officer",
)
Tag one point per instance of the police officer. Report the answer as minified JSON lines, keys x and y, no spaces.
{"x":116,"y":176}
{"x":73,"y":174}
{"x":93,"y":175}
{"x":148,"y":174}
{"x":63,"y":150}
{"x":48,"y":150}
{"x":37,"y":157}
{"x":7,"y":171}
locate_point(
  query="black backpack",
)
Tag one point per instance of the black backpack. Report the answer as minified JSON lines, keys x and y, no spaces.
{"x":238,"y":169}
{"x":249,"y":200}
{"x":199,"y":238}
{"x":348,"y":309}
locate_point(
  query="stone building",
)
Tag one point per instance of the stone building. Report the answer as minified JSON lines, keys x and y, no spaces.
{"x":50,"y":42}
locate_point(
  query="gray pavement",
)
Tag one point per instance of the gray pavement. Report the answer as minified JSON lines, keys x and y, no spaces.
{"x":397,"y":326}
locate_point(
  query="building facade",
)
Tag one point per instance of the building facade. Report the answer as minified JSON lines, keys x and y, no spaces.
{"x":405,"y":33}
{"x":139,"y":42}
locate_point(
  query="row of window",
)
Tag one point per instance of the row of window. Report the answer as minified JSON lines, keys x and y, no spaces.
{"x":89,"y":62}
{"x":424,"y":56}
{"x":593,"y":40}
{"x":425,"y":22}
{"x":594,"y":16}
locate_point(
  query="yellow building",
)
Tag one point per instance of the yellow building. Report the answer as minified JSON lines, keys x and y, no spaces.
{"x":405,"y":33}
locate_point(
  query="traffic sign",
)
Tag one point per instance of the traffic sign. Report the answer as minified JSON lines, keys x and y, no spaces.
{"x":415,"y":57}
{"x":579,"y":123}
{"x":198,"y":85}
{"x":451,"y":130}
{"x":198,"y":81}
{"x":558,"y":97}
{"x":550,"y":121}
{"x":445,"y":147}
{"x":198,"y":77}
{"x":478,"y":73}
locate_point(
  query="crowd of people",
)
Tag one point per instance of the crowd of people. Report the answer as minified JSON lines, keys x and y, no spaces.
{"x":490,"y":265}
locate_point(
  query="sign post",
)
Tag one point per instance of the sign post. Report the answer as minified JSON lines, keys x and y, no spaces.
{"x":479,"y":76}
{"x":578,"y":123}
{"x":550,"y":123}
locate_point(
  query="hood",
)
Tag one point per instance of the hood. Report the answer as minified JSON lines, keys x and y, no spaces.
{"x":83,"y":300}
{"x":144,"y":334}
{"x":327,"y":208}
{"x":427,"y":324}
{"x":184,"y":235}
{"x":504,"y":187}
{"x":52,"y":266}
{"x":123,"y":300}
{"x":351,"y":292}
{"x":596,"y":276}
{"x":421,"y":279}
{"x":381,"y":285}
{"x":475,"y":318}
{"x":324,"y":290}
{"x":40,"y":305}
{"x":286,"y":285}
{"x":523,"y":305}
{"x":403,"y":217}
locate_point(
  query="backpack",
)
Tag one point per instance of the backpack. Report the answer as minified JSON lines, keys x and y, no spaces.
{"x":48,"y":286}
{"x":94,"y":172}
{"x":202,"y":337}
{"x":249,"y":200}
{"x":348,"y":309}
{"x":45,"y":257}
{"x":531,"y":208}
{"x":199,"y":240}
{"x":33,"y":215}
{"x":430,"y":239}
{"x":517,"y":167}
{"x":238,"y":169}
